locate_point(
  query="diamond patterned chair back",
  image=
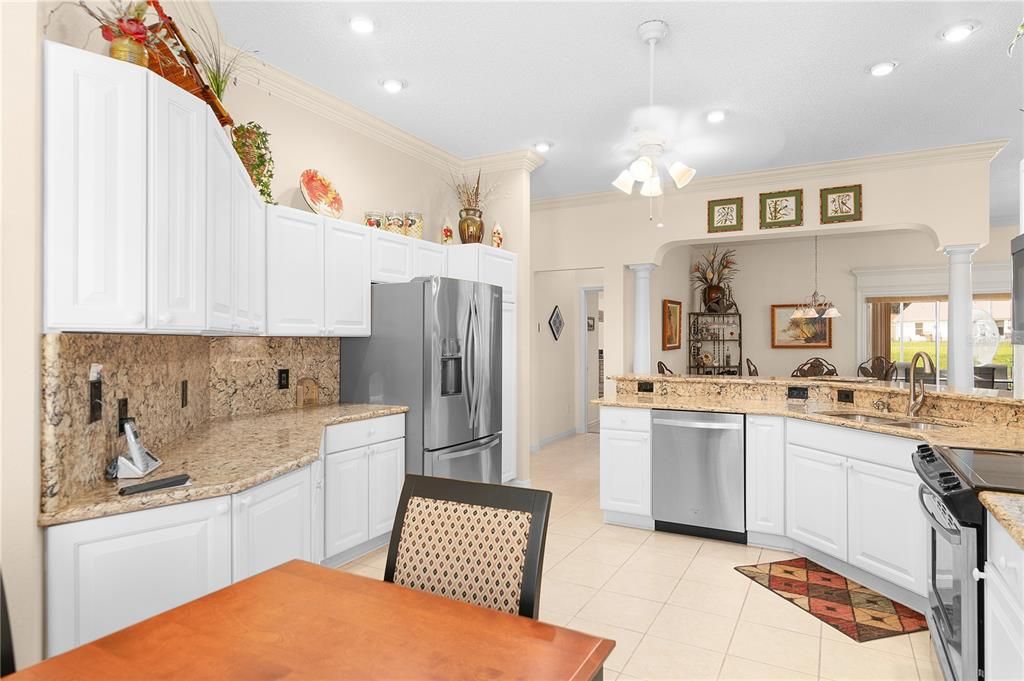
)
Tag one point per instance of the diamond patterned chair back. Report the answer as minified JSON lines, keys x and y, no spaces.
{"x":472,"y":542}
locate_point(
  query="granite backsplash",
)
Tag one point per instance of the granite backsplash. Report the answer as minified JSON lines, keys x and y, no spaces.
{"x":226,"y":376}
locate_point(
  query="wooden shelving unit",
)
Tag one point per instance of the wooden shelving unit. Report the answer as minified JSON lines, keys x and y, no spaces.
{"x":715,"y":344}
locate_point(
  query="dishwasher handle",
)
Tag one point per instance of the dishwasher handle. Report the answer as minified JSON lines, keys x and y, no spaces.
{"x":703,"y":425}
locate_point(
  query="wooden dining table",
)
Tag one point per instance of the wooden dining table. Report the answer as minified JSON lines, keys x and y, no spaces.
{"x":304,"y":621}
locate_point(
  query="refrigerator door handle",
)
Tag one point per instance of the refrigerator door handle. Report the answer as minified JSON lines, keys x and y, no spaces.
{"x":467,"y":449}
{"x":467,"y":360}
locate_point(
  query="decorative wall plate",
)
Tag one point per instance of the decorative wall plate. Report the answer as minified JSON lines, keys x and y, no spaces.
{"x":556,"y":323}
{"x":320,"y":194}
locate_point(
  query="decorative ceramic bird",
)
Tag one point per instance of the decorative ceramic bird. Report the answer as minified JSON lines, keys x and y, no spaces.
{"x":497,"y":235}
{"x":447,"y":234}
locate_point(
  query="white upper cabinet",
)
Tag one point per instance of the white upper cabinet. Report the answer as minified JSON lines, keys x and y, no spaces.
{"x":476,"y":262}
{"x":272,"y":524}
{"x":219,"y":178}
{"x":392,"y":257}
{"x":295,"y":272}
{"x":94,"y":131}
{"x":429,"y":259}
{"x":347,"y":278}
{"x":177,"y":208}
{"x":257,"y":261}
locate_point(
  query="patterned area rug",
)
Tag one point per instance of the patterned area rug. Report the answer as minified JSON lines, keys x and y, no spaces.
{"x":861,"y":613}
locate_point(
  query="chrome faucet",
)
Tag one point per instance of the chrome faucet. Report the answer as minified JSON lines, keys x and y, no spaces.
{"x":917,"y":384}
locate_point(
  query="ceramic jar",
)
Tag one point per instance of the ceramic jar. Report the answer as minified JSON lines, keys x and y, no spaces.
{"x":414,"y":224}
{"x":373,"y":219}
{"x":394,"y":222}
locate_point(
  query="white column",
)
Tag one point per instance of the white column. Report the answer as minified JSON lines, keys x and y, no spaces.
{"x":961,"y":346}
{"x":642,"y":318}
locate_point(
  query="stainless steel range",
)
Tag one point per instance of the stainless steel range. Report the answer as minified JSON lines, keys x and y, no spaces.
{"x":951,"y":479}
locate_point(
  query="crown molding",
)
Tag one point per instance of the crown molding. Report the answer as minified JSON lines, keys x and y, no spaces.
{"x":979,"y":151}
{"x":282,"y":84}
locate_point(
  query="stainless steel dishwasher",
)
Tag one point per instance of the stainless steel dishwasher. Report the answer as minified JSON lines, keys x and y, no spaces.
{"x":699,"y":474}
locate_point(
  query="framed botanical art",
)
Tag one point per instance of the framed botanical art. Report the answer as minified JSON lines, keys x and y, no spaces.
{"x":782,"y":209}
{"x":799,"y":333}
{"x":556,"y":323}
{"x":671,"y":325}
{"x":725,"y":215}
{"x":841,"y":204}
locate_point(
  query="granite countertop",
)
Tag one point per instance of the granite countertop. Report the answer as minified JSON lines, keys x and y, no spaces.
{"x":1007,"y":508}
{"x":224,"y":456}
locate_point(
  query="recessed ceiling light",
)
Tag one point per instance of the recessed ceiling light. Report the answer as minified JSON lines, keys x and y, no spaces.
{"x":883,"y":68}
{"x":543,"y":147}
{"x":361,"y":25}
{"x":960,"y":31}
{"x":393,"y":85}
{"x":716,"y":116}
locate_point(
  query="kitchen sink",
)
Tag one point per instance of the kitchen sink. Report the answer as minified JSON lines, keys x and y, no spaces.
{"x":891,"y":421}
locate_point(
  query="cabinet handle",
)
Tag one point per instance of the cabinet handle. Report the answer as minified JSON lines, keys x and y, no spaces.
{"x":977,"y":574}
{"x":244,"y":501}
{"x":137,"y":318}
{"x":165,"y":319}
{"x":222,"y":509}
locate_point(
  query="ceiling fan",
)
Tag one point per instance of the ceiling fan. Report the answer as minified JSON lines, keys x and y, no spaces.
{"x":651,"y":133}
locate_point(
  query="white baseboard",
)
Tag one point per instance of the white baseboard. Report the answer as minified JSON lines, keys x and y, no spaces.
{"x":545,"y":441}
{"x":516,"y":482}
{"x":629,"y":520}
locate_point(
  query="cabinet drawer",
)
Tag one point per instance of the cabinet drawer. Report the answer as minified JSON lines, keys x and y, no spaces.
{"x":626,"y":418}
{"x":361,"y":433}
{"x":1007,"y":557}
{"x":886,"y":450}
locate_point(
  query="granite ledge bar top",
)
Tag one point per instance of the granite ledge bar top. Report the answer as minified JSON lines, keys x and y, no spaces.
{"x":1008,"y":509}
{"x":224,"y":456}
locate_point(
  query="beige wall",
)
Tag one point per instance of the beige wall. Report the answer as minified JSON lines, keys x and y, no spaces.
{"x":21,"y":541}
{"x":670,"y":280}
{"x":556,"y":378}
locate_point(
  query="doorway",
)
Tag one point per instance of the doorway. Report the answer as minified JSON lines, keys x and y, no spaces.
{"x":591,"y":366}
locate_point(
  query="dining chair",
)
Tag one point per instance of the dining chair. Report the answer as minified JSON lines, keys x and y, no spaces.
{"x":664,"y":370}
{"x":6,"y":645}
{"x":470,"y":541}
{"x":815,"y":366}
{"x":751,"y":368}
{"x":878,"y":367}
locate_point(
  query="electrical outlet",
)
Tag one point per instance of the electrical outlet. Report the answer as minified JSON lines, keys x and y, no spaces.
{"x":645,"y":386}
{"x":184,"y":394}
{"x":122,"y":414}
{"x":796,"y":393}
{"x":95,"y":400}
{"x":844,"y":396}
{"x":282,"y":379}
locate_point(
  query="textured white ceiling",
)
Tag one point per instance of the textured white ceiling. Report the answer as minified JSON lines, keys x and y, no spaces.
{"x":492,"y":77}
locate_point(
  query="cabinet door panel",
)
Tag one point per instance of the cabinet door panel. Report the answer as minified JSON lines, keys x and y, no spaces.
{"x":509,"y":392}
{"x":257,"y":262}
{"x":94,"y":246}
{"x":241,"y":248}
{"x":1004,"y":630}
{"x":346,"y":522}
{"x":272,"y":524}
{"x":387,"y":474}
{"x":176,"y":208}
{"x":220,"y":165}
{"x":429,"y":259}
{"x":888,"y":532}
{"x":626,"y":472}
{"x":500,"y":268}
{"x":816,"y":499}
{"x":164,"y":556}
{"x":392,"y":257}
{"x":295,"y":272}
{"x":347,"y":276}
{"x":766,"y":465}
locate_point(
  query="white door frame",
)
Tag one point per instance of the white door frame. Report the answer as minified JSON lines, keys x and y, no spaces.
{"x":581,"y":367}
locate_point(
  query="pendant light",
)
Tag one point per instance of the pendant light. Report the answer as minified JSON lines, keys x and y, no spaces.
{"x":816,"y":306}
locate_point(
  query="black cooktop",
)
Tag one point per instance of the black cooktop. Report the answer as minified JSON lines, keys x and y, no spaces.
{"x":987,"y":469}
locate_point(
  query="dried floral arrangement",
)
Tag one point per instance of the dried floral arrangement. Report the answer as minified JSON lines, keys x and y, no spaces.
{"x":252,"y":143}
{"x":717,"y":268}
{"x":1016,"y":38}
{"x":220,"y":64}
{"x":469,"y":193}
{"x":127,"y":19}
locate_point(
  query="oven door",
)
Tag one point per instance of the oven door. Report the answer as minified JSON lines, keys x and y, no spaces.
{"x":952,"y":589}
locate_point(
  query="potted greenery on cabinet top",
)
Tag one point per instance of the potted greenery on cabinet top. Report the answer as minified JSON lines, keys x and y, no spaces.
{"x":252,"y":143}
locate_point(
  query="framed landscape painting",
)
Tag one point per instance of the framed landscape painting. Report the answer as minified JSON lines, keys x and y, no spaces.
{"x":841,"y":204}
{"x":725,"y":215}
{"x":782,"y":209}
{"x":799,"y":333}
{"x":671,"y":325}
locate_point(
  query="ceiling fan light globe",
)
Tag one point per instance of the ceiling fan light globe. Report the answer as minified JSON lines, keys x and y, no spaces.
{"x":681,"y":174}
{"x":651,"y":187}
{"x":641,"y":169}
{"x":624,"y":182}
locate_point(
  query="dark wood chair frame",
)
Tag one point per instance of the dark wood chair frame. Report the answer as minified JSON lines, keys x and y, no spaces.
{"x":878,"y":367}
{"x":534,"y":501}
{"x":664,"y":370}
{"x":828,"y":369}
{"x":6,"y":645}
{"x":751,"y":368}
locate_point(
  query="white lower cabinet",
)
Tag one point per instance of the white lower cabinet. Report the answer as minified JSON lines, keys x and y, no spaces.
{"x":362,"y":487}
{"x":816,"y":499}
{"x":272,"y":524}
{"x":108,"y":573}
{"x":766,"y":474}
{"x":887,"y":532}
{"x":626,"y":472}
{"x":1004,"y":630}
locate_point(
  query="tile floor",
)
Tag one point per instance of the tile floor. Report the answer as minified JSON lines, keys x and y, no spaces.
{"x":674,"y":605}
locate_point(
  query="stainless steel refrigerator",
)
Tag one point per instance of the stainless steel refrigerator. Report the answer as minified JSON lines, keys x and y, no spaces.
{"x":435,"y":346}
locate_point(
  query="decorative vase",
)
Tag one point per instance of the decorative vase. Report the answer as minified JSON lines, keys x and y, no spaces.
{"x":471,"y":225}
{"x":129,"y":50}
{"x":711,"y":295}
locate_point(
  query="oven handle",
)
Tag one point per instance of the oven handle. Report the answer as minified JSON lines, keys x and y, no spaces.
{"x":942,"y":530}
